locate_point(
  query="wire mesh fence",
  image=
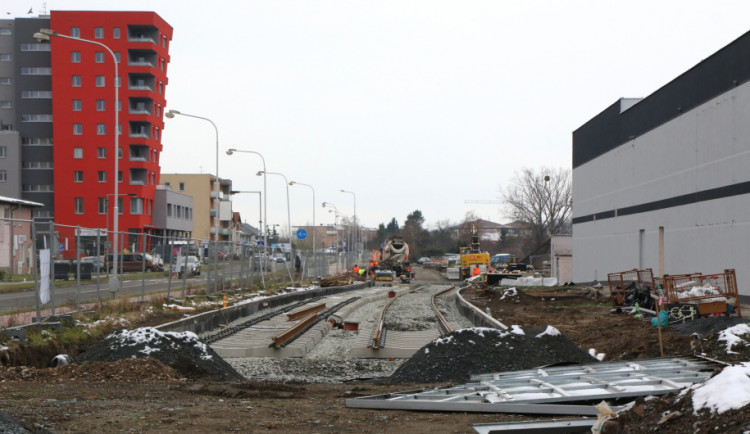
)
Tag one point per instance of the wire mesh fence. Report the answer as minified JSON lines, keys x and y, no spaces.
{"x":51,"y":254}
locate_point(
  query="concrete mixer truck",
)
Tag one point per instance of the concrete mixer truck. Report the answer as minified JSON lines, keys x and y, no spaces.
{"x":393,"y":261}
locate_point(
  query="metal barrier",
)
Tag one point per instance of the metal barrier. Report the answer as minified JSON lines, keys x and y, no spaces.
{"x":618,"y":282}
{"x":711,"y":292}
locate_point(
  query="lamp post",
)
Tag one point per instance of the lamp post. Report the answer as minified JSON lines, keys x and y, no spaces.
{"x":313,"y":208}
{"x":288,"y":213}
{"x":356,"y":230}
{"x":265,"y":196}
{"x":335,"y":221}
{"x":171,"y":114}
{"x":46,"y":35}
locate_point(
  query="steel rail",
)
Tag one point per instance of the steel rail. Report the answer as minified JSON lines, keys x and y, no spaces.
{"x":287,"y":336}
{"x":229,"y":331}
{"x":380,"y":327}
{"x":282,"y":338}
{"x":442,"y":322}
{"x":294,"y":316}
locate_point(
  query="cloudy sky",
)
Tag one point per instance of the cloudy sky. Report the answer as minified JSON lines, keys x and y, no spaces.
{"x":409,"y":104}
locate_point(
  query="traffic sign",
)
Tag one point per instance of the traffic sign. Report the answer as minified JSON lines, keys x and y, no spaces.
{"x":301,"y":234}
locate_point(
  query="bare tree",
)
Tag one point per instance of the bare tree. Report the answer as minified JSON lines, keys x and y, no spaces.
{"x":542,"y":198}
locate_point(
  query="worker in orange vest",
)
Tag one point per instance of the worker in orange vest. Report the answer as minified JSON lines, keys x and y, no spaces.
{"x":371,"y":267}
{"x":476,"y":271}
{"x":355,"y":270}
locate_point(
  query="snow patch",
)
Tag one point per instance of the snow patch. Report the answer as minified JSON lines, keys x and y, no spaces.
{"x":549,"y":331}
{"x":732,"y":336}
{"x":712,"y":393}
{"x":516,"y":330}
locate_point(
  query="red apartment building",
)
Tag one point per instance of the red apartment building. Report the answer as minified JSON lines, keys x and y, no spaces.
{"x":83,"y":105}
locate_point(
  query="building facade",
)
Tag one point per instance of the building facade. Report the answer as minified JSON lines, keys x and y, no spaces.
{"x":202,"y":187}
{"x":83,"y":104}
{"x":68,"y":165}
{"x":663,"y":182}
{"x":16,"y":237}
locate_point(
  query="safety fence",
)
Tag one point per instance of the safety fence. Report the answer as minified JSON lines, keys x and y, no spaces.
{"x":46,"y":252}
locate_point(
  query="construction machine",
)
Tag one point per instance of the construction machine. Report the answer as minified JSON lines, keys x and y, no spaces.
{"x":393,"y":261}
{"x":471,"y":256}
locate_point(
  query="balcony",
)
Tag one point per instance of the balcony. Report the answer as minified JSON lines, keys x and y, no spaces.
{"x":139,"y":153}
{"x":140,"y":106}
{"x":143,"y":34}
{"x":141,"y":82}
{"x":140,"y":130}
{"x":142,"y":58}
{"x":138,"y":176}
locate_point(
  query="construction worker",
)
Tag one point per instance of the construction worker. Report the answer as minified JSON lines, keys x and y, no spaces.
{"x":355,"y":270}
{"x":476,"y":271}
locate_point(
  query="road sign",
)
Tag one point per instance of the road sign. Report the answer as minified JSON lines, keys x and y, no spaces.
{"x":261,"y":243}
{"x":301,"y":234}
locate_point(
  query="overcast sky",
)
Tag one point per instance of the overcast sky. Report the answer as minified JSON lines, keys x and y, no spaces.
{"x":408,"y":104}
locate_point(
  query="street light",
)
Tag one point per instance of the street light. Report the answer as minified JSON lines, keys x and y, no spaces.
{"x":356,"y":230}
{"x":265,"y":196}
{"x":335,"y":217}
{"x":106,"y":198}
{"x":313,"y":208}
{"x":170,"y":115}
{"x":288,"y":213}
{"x":45,"y":35}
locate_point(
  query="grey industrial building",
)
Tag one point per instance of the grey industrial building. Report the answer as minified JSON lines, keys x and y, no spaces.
{"x":663,"y":182}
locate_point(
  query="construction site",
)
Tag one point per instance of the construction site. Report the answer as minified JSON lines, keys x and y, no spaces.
{"x":427,"y":355}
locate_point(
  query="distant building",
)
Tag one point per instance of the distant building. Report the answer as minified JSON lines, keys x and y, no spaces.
{"x":16,"y":238}
{"x":202,"y":188}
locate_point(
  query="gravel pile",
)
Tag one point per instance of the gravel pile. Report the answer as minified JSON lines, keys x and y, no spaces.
{"x":705,"y":327}
{"x":182,"y":351}
{"x":457,"y":356}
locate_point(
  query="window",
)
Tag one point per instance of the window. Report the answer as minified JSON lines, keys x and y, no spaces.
{"x":164,"y":41}
{"x":5,"y":31}
{"x":36,"y":94}
{"x":119,"y":179}
{"x":37,"y":165}
{"x":119,"y":205}
{"x":77,"y":129}
{"x":75,"y":56}
{"x":103,"y":205}
{"x":36,"y":118}
{"x":101,"y":105}
{"x":119,"y":152}
{"x":76,"y":81}
{"x":6,"y":80}
{"x":100,"y":81}
{"x":79,"y":205}
{"x":118,"y":82}
{"x":78,"y":176}
{"x":169,"y":210}
{"x":30,"y":70}
{"x":101,"y":176}
{"x":35,"y":47}
{"x":3,"y":151}
{"x":101,"y":129}
{"x":77,"y":152}
{"x":182,"y":186}
{"x":117,"y":56}
{"x":99,"y":57}
{"x":6,"y":104}
{"x":101,"y":152}
{"x":98,"y":32}
{"x":77,"y":105}
{"x":3,"y":176}
{"x":115,"y":33}
{"x":136,"y":205}
{"x":75,"y":32}
{"x":4,"y":57}
{"x":162,"y":64}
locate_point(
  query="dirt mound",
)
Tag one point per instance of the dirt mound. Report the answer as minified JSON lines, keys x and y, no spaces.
{"x":458,"y":355}
{"x":127,"y":370}
{"x":182,"y":351}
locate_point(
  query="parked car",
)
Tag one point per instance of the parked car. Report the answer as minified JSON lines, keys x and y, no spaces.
{"x":423,"y":259}
{"x":279,"y":258}
{"x":193,"y":266}
{"x":133,"y":262}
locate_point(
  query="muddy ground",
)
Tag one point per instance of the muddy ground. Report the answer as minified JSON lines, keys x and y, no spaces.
{"x":148,"y":396}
